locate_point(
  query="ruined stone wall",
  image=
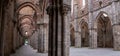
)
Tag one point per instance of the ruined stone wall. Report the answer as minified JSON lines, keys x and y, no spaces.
{"x":90,"y":12}
{"x":105,"y":9}
{"x":82,"y":14}
{"x":34,"y":40}
{"x":111,"y":8}
{"x":7,"y":29}
{"x":108,"y":6}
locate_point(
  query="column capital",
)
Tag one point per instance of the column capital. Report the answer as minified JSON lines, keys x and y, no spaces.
{"x":50,"y":9}
{"x":66,"y":9}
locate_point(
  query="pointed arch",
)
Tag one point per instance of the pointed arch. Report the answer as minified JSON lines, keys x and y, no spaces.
{"x":27,"y":4}
{"x":72,"y":35}
{"x":104,"y":30}
{"x":99,"y":15}
{"x":84,"y":33}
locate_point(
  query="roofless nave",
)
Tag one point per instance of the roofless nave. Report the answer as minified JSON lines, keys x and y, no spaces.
{"x":59,"y":27}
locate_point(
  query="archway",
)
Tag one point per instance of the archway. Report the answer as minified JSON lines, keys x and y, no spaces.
{"x":27,"y":17}
{"x":84,"y":34}
{"x":104,"y":31}
{"x":72,"y":36}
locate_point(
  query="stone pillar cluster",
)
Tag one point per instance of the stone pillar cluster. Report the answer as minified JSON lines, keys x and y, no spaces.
{"x":116,"y":33}
{"x":59,"y":31}
{"x":66,"y":12}
{"x":77,"y":35}
{"x":41,"y":38}
{"x":93,"y":38}
{"x":55,"y":29}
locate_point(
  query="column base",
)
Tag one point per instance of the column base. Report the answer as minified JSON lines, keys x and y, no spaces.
{"x":78,"y":47}
{"x":117,"y":49}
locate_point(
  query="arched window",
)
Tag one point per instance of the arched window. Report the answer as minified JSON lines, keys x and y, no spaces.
{"x":83,"y":3}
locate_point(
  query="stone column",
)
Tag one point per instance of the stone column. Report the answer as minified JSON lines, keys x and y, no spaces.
{"x":77,"y":39}
{"x":45,"y":37}
{"x":42,"y":38}
{"x":66,"y":11}
{"x":116,"y":35}
{"x":56,"y":28}
{"x":93,"y":38}
{"x":77,"y":35}
{"x":1,"y":28}
{"x":14,"y":37}
{"x":116,"y":24}
{"x":34,"y":40}
{"x":93,"y":32}
{"x":92,"y":28}
{"x":41,"y":46}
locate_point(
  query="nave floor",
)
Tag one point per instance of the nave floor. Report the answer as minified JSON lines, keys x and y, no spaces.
{"x":93,"y":52}
{"x":26,"y":50}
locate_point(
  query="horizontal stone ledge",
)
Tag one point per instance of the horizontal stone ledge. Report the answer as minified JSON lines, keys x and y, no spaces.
{"x":118,"y":24}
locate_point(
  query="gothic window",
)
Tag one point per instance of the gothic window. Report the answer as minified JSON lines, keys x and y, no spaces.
{"x":83,"y":3}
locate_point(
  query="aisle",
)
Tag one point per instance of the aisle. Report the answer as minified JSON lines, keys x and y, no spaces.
{"x":26,"y":50}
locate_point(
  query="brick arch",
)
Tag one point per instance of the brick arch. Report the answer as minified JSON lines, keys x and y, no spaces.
{"x":32,"y":18}
{"x":31,"y":5}
{"x":27,"y":4}
{"x":31,"y":25}
{"x":26,"y":16}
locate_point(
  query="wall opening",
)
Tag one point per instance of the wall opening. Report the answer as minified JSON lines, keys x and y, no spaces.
{"x":72,"y":37}
{"x":104,"y":32}
{"x":84,"y":35}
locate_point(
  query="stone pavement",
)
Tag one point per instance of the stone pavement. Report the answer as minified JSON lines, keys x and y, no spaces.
{"x":93,"y":52}
{"x":26,"y":50}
